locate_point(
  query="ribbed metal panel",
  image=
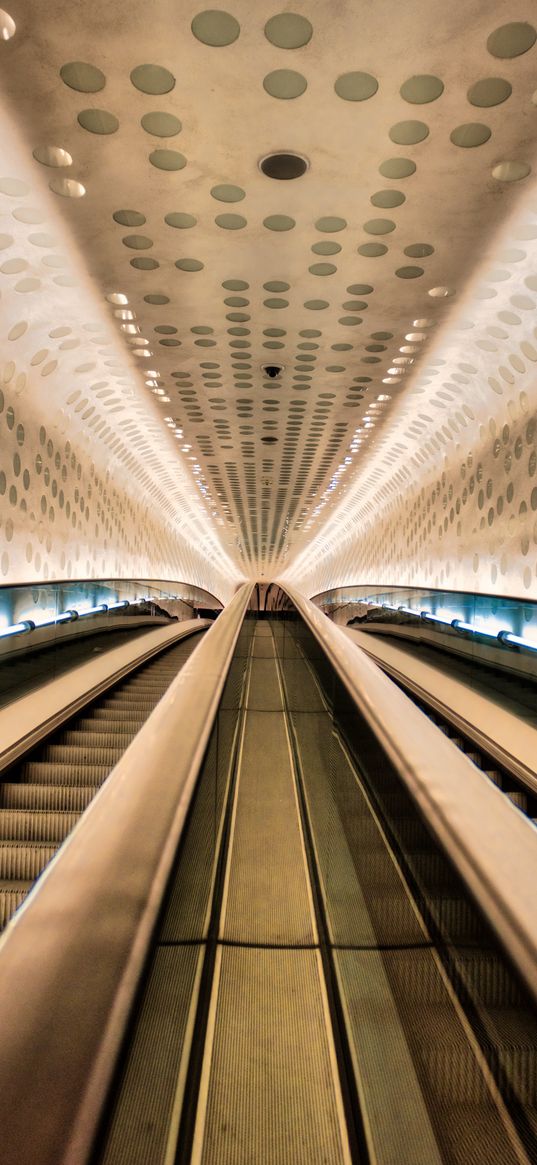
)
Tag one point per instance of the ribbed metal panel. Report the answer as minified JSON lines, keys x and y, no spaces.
{"x":10,"y":900}
{"x":271,"y":1094}
{"x":267,"y":899}
{"x":18,"y":860}
{"x":150,"y":1090}
{"x":79,"y":754}
{"x":123,"y":726}
{"x":50,"y":797}
{"x":49,"y":773}
{"x":25,"y":825}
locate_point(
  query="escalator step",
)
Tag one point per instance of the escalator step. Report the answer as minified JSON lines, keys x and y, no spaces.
{"x":92,"y":740}
{"x":10,"y":900}
{"x":23,"y":825}
{"x":70,"y":798}
{"x":24,"y":861}
{"x":124,"y":703}
{"x":519,"y":798}
{"x":495,"y":777}
{"x":75,"y":754}
{"x":118,"y":716}
{"x":123,"y":726}
{"x":56,"y":773}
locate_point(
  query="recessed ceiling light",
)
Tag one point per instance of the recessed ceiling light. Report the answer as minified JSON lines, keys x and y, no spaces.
{"x":283,"y":166}
{"x":8,"y":27}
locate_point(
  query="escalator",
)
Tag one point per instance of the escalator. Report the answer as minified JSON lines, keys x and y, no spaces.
{"x":44,"y":794}
{"x":321,"y":986}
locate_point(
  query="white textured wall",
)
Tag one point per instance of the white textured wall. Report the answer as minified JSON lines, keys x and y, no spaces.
{"x":448,"y":495}
{"x":90,"y":481}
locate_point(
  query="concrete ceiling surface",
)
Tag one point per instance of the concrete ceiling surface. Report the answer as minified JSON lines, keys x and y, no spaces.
{"x":417,"y":123}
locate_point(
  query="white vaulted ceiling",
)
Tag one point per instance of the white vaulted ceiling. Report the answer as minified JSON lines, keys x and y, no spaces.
{"x":142,"y":127}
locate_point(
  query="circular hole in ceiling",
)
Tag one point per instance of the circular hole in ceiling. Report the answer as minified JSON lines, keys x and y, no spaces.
{"x":379,"y":226}
{"x":511,"y":171}
{"x":144,"y":264}
{"x":326,"y":248}
{"x":387,"y":199}
{"x":235,"y":285}
{"x":285,"y":84}
{"x":489,"y":91}
{"x":215,"y":28}
{"x":67,"y":187}
{"x":279,"y":222}
{"x":230,"y":222}
{"x":511,"y":40}
{"x":397,"y":168}
{"x":138,"y":242}
{"x":409,"y":272}
{"x":276,"y":303}
{"x":315,"y":305}
{"x":98,"y":121}
{"x":408,"y":133}
{"x":470,"y":135}
{"x":160,"y":124}
{"x":356,"y":86}
{"x":441,"y":292}
{"x":152,"y":79}
{"x":179,"y":220}
{"x":189,"y":264}
{"x":288,"y":30}
{"x":372,"y":250}
{"x":227,"y":193}
{"x":157,"y":299}
{"x":52,"y":156}
{"x":330,"y":224}
{"x":322,"y":269}
{"x":82,"y":77}
{"x":420,"y":90}
{"x":360,"y":289}
{"x":167,"y":160}
{"x":276,"y":285}
{"x":283,"y":166}
{"x":419,"y":250}
{"x":13,"y":187}
{"x":28,"y":215}
{"x":129,"y":218}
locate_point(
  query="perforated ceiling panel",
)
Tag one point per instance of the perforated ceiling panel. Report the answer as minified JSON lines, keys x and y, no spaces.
{"x":409,"y":131}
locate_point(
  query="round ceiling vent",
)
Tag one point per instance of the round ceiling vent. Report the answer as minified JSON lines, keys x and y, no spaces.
{"x":272,"y":370}
{"x":283,"y":166}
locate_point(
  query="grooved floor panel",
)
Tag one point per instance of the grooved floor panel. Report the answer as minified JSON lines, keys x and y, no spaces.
{"x":264,"y":691}
{"x":140,"y":1124}
{"x":271,"y":1095}
{"x":267,"y":899}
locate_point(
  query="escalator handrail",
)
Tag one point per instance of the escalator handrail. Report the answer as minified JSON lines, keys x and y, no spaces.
{"x":492,"y":845}
{"x":71,"y":960}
